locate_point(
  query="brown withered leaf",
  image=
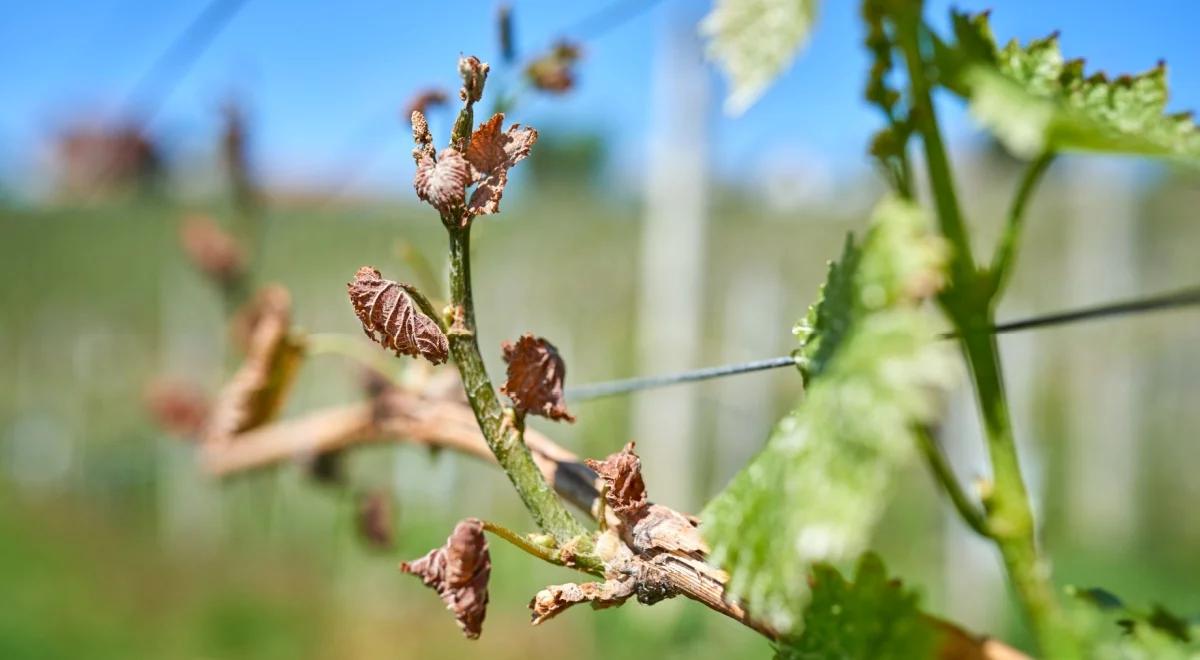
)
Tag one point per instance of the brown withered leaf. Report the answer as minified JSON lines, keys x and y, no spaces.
{"x":178,"y":406}
{"x":554,"y":71}
{"x":272,"y":300}
{"x":646,"y":527}
{"x":442,"y":183}
{"x":374,"y":519}
{"x":458,"y":572}
{"x":257,"y":390}
{"x":557,"y":598}
{"x":391,"y":318}
{"x":491,"y":153}
{"x":212,"y":250}
{"x":535,"y":377}
{"x":622,"y":474}
{"x":425,"y":99}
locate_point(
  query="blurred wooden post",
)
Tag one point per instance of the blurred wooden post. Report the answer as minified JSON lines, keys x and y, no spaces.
{"x":670,"y":305}
{"x":1102,"y":451}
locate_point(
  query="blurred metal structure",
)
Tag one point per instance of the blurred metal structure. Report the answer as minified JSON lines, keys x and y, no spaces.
{"x":670,"y":317}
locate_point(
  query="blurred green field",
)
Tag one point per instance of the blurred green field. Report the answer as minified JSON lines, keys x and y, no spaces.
{"x":113,"y":545}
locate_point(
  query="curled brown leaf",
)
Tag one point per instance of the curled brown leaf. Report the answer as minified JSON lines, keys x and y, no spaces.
{"x":647,"y":528}
{"x":458,"y":572}
{"x":375,"y":519}
{"x":423,"y":100}
{"x":557,"y":598}
{"x":442,"y":183}
{"x":491,"y":153}
{"x":390,"y":317}
{"x":535,"y":377}
{"x":554,"y":71}
{"x":255,"y":393}
{"x":212,"y":250}
{"x":625,"y":492}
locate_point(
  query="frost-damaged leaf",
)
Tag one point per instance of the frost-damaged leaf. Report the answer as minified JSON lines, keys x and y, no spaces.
{"x":557,"y":598}
{"x":625,"y":490}
{"x":816,"y":490}
{"x":374,"y":519}
{"x":257,"y":390}
{"x":554,"y":71}
{"x":212,"y":250}
{"x":646,"y":528}
{"x":535,"y":377}
{"x":491,"y":153}
{"x":458,"y":572}
{"x":871,"y":617}
{"x":423,"y":100}
{"x":442,"y":183}
{"x":754,"y":41}
{"x":391,"y":318}
{"x":1034,"y":101}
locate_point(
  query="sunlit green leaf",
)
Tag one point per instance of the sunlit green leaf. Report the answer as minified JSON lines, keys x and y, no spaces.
{"x":817,"y":489}
{"x":754,"y":41}
{"x":871,"y":617}
{"x":1034,"y":101}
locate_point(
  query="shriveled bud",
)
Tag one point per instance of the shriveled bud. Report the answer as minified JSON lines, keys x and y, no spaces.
{"x":421,"y":137}
{"x":474,"y":75}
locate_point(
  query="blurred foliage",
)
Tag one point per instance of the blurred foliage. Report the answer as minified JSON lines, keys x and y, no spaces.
{"x":754,"y":41}
{"x":871,"y":616}
{"x":822,"y":482}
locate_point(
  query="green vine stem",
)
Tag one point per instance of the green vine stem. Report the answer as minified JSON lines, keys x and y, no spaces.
{"x":352,"y":348}
{"x":940,"y":466}
{"x":547,"y":554}
{"x":503,"y":437}
{"x":968,"y":301}
{"x":1006,"y":249}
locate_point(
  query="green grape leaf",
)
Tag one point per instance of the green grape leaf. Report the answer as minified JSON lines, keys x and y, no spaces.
{"x":872,"y":616}
{"x":1035,"y":101}
{"x":1114,"y":629}
{"x":902,"y":262}
{"x":816,"y":490}
{"x":753,"y":41}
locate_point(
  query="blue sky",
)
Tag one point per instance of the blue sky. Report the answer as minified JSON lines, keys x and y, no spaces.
{"x":319,"y":76}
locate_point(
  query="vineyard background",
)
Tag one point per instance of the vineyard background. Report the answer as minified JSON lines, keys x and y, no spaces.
{"x":112,"y":542}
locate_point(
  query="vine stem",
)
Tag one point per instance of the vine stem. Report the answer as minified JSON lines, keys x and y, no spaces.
{"x":968,"y":302}
{"x":1006,"y":249}
{"x":942,"y":471}
{"x":549,"y":555}
{"x":336,"y":343}
{"x":503,"y":437}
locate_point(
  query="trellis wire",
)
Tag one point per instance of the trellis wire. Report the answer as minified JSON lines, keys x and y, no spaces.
{"x":1174,"y":300}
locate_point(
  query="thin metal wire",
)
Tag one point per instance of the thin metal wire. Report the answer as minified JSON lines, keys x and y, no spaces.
{"x":614,"y":387}
{"x":172,"y":65}
{"x":1175,"y":300}
{"x":607,"y":18}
